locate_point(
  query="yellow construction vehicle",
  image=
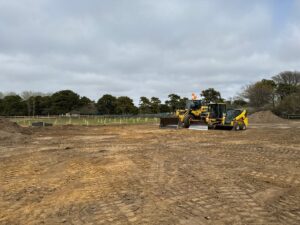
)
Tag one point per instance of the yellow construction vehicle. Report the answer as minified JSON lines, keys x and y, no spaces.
{"x":206,"y":116}
{"x":194,"y":112}
{"x":219,"y":117}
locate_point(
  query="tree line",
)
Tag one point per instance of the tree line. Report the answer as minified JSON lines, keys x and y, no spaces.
{"x":67,"y":101}
{"x":281,"y":94}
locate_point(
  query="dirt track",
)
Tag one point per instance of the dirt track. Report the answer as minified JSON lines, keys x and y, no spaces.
{"x":143,"y":175}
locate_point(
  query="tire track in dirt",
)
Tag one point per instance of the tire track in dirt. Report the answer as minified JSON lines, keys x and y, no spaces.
{"x":149,"y":178}
{"x":230,"y":204}
{"x":286,"y":207}
{"x":267,"y":156}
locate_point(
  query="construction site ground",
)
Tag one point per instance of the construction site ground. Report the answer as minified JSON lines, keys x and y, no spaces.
{"x":140,"y":174}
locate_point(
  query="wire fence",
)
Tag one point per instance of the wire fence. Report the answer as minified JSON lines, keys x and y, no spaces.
{"x":86,"y":120}
{"x":291,"y":116}
{"x":158,"y":115}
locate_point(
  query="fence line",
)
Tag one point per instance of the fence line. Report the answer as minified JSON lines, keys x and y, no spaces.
{"x":91,"y":116}
{"x":293,"y":116}
{"x":27,"y":121}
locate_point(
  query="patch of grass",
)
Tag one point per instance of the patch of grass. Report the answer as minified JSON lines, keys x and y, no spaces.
{"x":88,"y":121}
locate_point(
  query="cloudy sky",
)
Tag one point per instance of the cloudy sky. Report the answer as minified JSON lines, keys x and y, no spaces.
{"x":145,"y":47}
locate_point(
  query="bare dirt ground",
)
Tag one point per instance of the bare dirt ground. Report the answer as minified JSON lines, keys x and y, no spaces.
{"x":144,"y":175}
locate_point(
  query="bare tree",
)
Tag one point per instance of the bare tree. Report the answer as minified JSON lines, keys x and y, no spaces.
{"x":287,"y":77}
{"x":260,"y":93}
{"x":27,"y":94}
{"x":288,"y":83}
{"x":10,"y":93}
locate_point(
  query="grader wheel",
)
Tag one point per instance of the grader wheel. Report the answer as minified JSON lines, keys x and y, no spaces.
{"x":187,"y":121}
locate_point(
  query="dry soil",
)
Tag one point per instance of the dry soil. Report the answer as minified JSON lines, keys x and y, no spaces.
{"x":146,"y":175}
{"x":265,"y":117}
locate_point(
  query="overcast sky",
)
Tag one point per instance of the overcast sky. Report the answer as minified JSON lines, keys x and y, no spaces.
{"x":145,"y":47}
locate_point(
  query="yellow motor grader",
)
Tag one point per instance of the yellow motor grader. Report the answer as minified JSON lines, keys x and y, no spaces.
{"x":194,"y":112}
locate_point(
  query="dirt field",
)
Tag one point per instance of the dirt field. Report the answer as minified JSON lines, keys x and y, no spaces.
{"x":139,"y":174}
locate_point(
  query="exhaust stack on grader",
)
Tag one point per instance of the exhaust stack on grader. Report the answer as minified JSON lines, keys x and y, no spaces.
{"x":202,"y":116}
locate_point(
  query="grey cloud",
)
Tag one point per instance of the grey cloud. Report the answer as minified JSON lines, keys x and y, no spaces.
{"x":142,"y":48}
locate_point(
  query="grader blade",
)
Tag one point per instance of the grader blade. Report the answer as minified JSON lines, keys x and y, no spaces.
{"x":198,"y":125}
{"x":169,"y":122}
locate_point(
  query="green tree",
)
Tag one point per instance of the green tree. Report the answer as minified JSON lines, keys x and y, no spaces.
{"x":182,"y":103}
{"x":211,"y":95}
{"x":43,"y":105}
{"x":64,"y":101}
{"x":107,"y":104}
{"x":155,"y":105}
{"x":13,"y":105}
{"x":289,"y":105}
{"x":174,"y":102}
{"x":30,"y":102}
{"x":88,"y":109}
{"x":125,"y":106}
{"x":86,"y":106}
{"x":284,"y":90}
{"x":1,"y":107}
{"x":239,"y":102}
{"x":84,"y":101}
{"x":164,"y":108}
{"x":272,"y":87}
{"x":144,"y":105}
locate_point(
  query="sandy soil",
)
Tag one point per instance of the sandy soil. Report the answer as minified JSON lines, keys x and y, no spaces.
{"x":145,"y":175}
{"x":265,"y":117}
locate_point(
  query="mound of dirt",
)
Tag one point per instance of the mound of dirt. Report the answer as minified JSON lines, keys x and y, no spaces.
{"x":8,"y":126}
{"x":265,"y":117}
{"x":10,"y":130}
